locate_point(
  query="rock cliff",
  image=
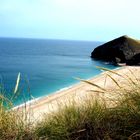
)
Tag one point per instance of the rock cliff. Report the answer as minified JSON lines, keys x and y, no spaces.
{"x":120,"y":50}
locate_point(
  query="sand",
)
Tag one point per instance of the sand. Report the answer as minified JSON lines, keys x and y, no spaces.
{"x":82,"y":91}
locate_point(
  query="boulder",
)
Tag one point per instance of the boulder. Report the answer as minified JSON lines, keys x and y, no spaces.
{"x":120,"y":50}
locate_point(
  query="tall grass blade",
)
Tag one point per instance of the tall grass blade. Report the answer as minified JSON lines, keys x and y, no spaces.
{"x":111,"y":71}
{"x":114,"y":81}
{"x":17,"y":83}
{"x":88,"y":82}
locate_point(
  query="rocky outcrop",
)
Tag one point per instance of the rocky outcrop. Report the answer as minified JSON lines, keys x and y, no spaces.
{"x":135,"y":60}
{"x":120,"y":50}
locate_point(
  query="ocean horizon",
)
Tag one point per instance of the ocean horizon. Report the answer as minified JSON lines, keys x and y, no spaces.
{"x":46,"y":65}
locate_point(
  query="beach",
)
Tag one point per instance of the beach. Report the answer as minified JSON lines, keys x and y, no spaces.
{"x":83,"y":91}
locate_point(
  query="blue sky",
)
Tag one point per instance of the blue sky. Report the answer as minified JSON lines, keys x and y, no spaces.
{"x":70,"y":19}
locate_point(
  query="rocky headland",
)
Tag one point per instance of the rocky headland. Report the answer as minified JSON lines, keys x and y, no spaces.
{"x":122,"y":50}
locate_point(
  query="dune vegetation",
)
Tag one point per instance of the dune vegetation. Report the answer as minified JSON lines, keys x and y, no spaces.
{"x":92,"y":120}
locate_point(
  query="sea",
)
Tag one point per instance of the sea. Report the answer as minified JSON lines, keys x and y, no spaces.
{"x":45,"y":65}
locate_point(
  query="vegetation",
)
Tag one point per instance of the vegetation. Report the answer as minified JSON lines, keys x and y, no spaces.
{"x":93,"y":120}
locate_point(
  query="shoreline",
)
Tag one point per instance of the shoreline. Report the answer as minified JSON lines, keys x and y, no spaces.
{"x":55,"y":92}
{"x":32,"y":101}
{"x":77,"y":93}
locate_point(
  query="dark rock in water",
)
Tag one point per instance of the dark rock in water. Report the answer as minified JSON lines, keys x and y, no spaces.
{"x":121,"y":50}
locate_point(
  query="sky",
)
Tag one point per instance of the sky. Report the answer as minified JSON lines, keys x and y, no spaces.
{"x":96,"y":20}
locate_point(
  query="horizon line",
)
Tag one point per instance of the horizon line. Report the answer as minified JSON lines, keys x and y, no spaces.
{"x":51,"y":39}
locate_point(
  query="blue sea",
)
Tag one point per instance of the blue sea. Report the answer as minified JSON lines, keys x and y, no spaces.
{"x":46,"y":66}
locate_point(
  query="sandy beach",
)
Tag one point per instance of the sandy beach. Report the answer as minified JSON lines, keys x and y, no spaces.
{"x":82,"y":91}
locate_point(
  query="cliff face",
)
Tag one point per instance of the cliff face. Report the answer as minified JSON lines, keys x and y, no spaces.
{"x":120,"y":50}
